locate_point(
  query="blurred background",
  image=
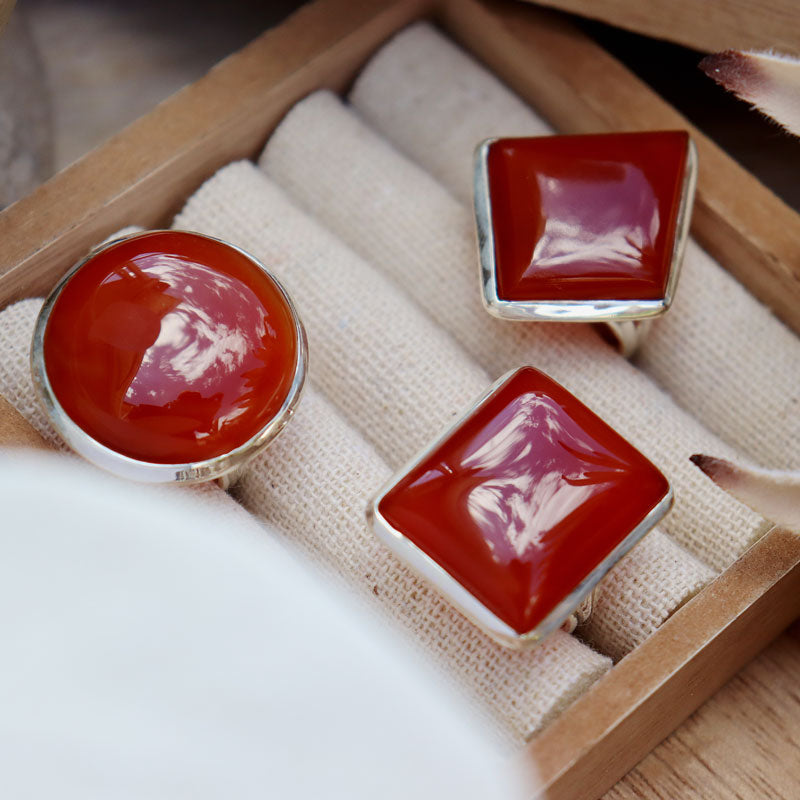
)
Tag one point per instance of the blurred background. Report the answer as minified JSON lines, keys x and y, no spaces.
{"x":75,"y":72}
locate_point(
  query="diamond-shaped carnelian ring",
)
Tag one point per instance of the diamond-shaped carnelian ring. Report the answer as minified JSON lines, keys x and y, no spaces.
{"x":169,"y":356}
{"x":584,"y":228}
{"x":518,"y":510}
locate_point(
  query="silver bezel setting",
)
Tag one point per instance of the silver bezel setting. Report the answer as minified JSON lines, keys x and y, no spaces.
{"x":151,"y":472}
{"x":577,"y":310}
{"x":429,"y":570}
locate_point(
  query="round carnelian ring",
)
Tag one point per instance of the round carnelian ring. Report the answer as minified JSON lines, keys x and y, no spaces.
{"x":169,"y":356}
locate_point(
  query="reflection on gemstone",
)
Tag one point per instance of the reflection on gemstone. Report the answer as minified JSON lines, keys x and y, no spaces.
{"x":525,"y":498}
{"x":196,"y":342}
{"x":523,"y":491}
{"x":612,"y":239}
{"x":585,"y":217}
{"x":171,"y":347}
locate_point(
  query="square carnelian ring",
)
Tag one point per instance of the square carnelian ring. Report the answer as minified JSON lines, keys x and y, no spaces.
{"x":585,"y":228}
{"x":521,"y":507}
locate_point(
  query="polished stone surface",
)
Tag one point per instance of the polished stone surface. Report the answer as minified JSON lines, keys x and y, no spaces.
{"x":585,"y":217}
{"x":525,"y":498}
{"x":171,"y":348}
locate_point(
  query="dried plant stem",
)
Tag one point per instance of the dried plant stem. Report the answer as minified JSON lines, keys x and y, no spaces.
{"x":772,"y":493}
{"x":769,"y":81}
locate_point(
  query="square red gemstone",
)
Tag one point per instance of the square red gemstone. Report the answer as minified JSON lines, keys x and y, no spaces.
{"x":585,"y":218}
{"x":523,"y":500}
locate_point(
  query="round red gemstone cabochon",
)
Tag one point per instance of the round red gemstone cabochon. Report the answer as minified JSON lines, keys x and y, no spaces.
{"x":171,"y":347}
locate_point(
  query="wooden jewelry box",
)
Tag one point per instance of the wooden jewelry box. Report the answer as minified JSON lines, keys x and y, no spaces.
{"x":143,"y":176}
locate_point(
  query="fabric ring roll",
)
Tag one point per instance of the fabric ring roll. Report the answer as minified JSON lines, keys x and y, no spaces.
{"x":407,"y":225}
{"x":365,"y":334}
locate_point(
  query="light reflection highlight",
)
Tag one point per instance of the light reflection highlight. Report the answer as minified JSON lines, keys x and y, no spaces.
{"x":616,"y":238}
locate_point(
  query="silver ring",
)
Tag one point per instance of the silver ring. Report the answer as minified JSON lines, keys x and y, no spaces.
{"x":222,"y":465}
{"x":625,"y":335}
{"x":517,"y":511}
{"x":617,"y":314}
{"x":582,"y":614}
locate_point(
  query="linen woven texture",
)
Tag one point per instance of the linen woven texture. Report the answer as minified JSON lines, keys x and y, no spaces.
{"x":311,"y":487}
{"x":720,"y":353}
{"x":366,"y":335}
{"x":405,"y":223}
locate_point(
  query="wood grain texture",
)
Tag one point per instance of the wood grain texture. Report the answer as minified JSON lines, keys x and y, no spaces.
{"x":629,"y":711}
{"x":708,"y":26}
{"x":580,"y":88}
{"x":142,"y":175}
{"x":743,"y":743}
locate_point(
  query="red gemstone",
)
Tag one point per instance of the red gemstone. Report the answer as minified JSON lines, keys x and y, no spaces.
{"x":586,"y":217}
{"x":525,"y":498}
{"x":171,"y":347}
